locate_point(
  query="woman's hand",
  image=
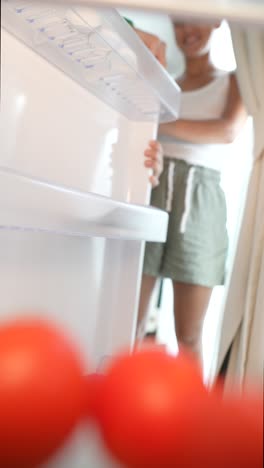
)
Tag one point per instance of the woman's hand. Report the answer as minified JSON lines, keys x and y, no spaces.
{"x":154,"y":160}
{"x":154,"y":44}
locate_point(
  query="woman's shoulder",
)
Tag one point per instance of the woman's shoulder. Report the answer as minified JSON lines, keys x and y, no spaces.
{"x":229,"y":77}
{"x":225,"y":75}
{"x":220,"y":73}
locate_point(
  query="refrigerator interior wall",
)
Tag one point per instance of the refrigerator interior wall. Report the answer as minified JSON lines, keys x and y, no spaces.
{"x":83,"y":284}
{"x":53,"y":129}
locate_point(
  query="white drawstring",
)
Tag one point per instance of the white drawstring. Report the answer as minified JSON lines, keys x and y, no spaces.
{"x":170,"y":186}
{"x":188,"y":200}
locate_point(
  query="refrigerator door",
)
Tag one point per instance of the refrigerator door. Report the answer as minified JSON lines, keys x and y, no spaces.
{"x":72,"y":220}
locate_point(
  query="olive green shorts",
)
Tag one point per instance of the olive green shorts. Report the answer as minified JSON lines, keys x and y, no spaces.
{"x":197,"y":241}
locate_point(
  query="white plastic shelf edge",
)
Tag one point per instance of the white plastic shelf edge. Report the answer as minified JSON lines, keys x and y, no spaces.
{"x":31,"y":204}
{"x":247,"y":12}
{"x":100,"y":51}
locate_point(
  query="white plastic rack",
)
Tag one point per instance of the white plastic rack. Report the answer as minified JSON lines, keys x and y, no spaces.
{"x":99,"y":50}
{"x":30,"y":204}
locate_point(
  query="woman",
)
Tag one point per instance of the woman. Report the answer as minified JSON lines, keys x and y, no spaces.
{"x":195,"y":148}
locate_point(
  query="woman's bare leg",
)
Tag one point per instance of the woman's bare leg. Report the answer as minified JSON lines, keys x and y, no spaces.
{"x":190,"y":306}
{"x":147,"y":288}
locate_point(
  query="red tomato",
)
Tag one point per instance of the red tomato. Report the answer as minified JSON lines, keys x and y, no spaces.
{"x":218,"y":388}
{"x":221,"y":434}
{"x":41,"y":392}
{"x":93,"y":387}
{"x":143,"y":394}
{"x":249,"y":401}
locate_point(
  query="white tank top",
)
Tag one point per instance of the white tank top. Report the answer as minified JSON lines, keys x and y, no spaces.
{"x":205,"y":103}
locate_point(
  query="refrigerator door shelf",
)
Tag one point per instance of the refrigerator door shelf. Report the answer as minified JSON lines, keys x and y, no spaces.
{"x":31,"y":204}
{"x":100,"y":51}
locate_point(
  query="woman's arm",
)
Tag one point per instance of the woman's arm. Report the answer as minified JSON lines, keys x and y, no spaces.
{"x":152,"y":42}
{"x":222,"y":130}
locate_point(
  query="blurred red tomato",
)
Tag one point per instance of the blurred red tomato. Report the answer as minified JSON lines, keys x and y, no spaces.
{"x":142,"y":396}
{"x":249,"y":401}
{"x":218,"y":388}
{"x":41,"y":392}
{"x":224,"y":434}
{"x":93,"y":388}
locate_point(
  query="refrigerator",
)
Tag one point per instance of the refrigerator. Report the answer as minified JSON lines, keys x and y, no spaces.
{"x":81,"y":97}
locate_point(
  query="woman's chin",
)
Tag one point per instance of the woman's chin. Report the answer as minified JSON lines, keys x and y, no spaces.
{"x":193,"y":52}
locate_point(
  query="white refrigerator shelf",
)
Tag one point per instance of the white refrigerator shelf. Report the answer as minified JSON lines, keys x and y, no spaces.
{"x":30,"y":204}
{"x":99,"y":50}
{"x":235,"y":11}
